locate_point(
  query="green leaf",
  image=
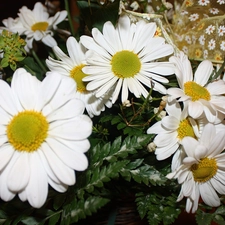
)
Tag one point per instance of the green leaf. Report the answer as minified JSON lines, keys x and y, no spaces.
{"x":54,"y":219}
{"x":157,"y":207}
{"x":84,"y":208}
{"x":30,"y":220}
{"x":95,"y":15}
{"x":203,"y":218}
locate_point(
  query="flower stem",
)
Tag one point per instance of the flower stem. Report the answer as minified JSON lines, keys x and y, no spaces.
{"x":42,"y":66}
{"x":69,"y":17}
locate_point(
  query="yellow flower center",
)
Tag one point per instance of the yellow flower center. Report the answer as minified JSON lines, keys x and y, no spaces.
{"x":204,"y":170}
{"x":27,"y":131}
{"x":42,"y":26}
{"x":185,"y":129}
{"x":77,"y":74}
{"x":125,"y":64}
{"x":196,"y":91}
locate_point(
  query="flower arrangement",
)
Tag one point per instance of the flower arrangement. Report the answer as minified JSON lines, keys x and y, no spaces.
{"x":128,"y":105}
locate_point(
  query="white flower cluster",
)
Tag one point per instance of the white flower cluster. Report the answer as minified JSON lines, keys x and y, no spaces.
{"x":193,"y":133}
{"x":43,"y":132}
{"x":36,"y":25}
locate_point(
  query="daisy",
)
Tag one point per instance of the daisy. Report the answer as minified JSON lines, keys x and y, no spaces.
{"x":202,"y":173}
{"x":37,"y":25}
{"x":222,"y":45}
{"x":172,"y":129}
{"x":188,"y":39}
{"x":125,"y":58}
{"x":199,"y":97}
{"x":202,"y":39}
{"x":203,"y":2}
{"x":214,"y":11}
{"x":205,"y":54}
{"x":43,"y":136}
{"x":212,"y":44}
{"x":210,"y":29}
{"x":193,"y":17}
{"x":221,"y":2}
{"x":221,"y":30}
{"x":71,"y":66}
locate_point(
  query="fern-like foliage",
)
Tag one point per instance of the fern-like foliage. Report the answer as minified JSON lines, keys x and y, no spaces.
{"x":157,"y":207}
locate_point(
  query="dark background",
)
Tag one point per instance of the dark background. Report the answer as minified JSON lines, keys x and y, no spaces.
{"x":10,"y":9}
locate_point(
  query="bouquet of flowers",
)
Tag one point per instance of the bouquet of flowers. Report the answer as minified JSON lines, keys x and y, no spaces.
{"x":119,"y":100}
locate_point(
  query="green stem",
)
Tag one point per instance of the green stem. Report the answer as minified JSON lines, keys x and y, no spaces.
{"x":69,"y":17}
{"x":42,"y":66}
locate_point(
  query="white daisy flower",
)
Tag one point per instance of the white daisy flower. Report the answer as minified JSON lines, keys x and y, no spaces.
{"x":199,"y":97}
{"x":210,"y":29}
{"x":212,"y":44}
{"x":193,"y":17}
{"x":71,"y":66}
{"x":214,"y":11}
{"x":43,"y":136}
{"x":12,"y":25}
{"x":125,"y":58}
{"x":185,"y":50}
{"x":221,"y":2}
{"x":188,"y":39}
{"x":202,"y":172}
{"x":38,"y":26}
{"x":205,"y":54}
{"x":222,"y":45}
{"x":183,"y":12}
{"x":202,"y":39}
{"x":172,"y":129}
{"x":221,"y":30}
{"x":203,"y":2}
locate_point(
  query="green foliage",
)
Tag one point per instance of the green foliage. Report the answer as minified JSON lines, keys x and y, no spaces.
{"x":96,"y":14}
{"x":158,"y":207}
{"x":206,"y":215}
{"x":143,"y":173}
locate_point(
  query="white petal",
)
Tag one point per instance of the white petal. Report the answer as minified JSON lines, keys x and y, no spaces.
{"x":6,"y":153}
{"x":156,"y":128}
{"x":189,"y":144}
{"x":19,"y":174}
{"x":209,"y":195}
{"x":78,"y":128}
{"x":203,"y":72}
{"x":26,"y":87}
{"x":69,"y":110}
{"x":58,"y":187}
{"x":75,"y":158}
{"x":218,"y":186}
{"x":8,"y":102}
{"x":208,"y":133}
{"x":195,"y":109}
{"x":217,"y":145}
{"x":63,"y":172}
{"x":170,"y":122}
{"x":37,"y":188}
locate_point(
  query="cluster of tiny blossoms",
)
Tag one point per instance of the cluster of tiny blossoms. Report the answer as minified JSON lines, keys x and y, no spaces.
{"x":200,"y":33}
{"x":43,"y":126}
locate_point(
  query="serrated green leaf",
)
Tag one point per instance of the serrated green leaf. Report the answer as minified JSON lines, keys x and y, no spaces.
{"x":115,"y":120}
{"x":54,"y":219}
{"x":219,"y":220}
{"x":82,"y":209}
{"x":121,"y":126}
{"x":59,"y":199}
{"x":220,"y":210}
{"x":203,"y":218}
{"x":30,"y":220}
